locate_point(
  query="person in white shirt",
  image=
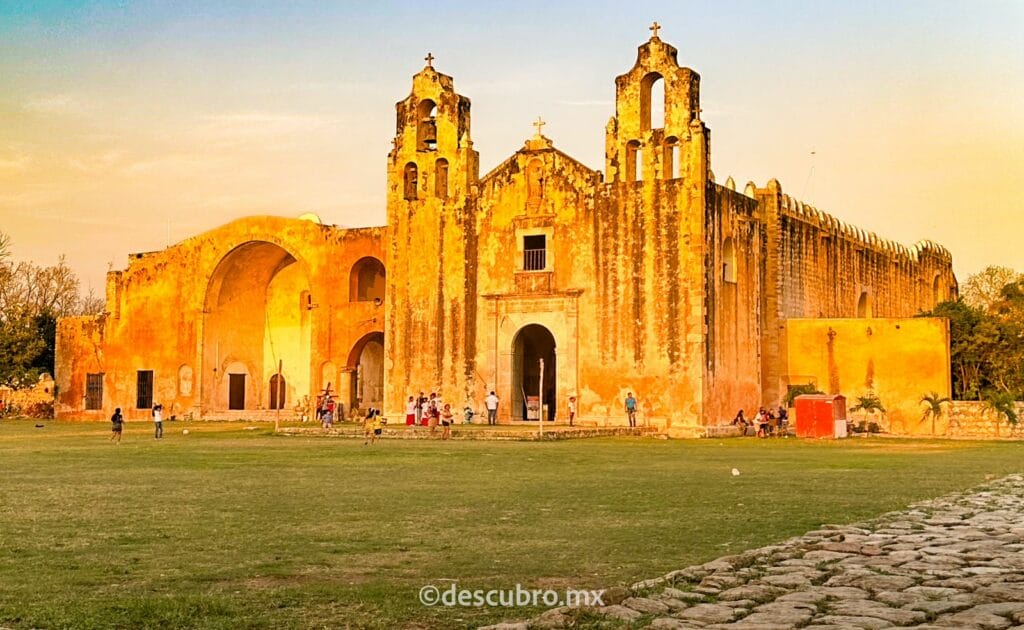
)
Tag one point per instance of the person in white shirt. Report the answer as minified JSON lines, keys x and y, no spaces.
{"x":491,"y":402}
{"x":158,"y":420}
{"x":410,"y":412}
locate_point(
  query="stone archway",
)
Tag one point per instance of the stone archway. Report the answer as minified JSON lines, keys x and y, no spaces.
{"x":257,"y":315}
{"x":366,"y":365}
{"x":532,"y":343}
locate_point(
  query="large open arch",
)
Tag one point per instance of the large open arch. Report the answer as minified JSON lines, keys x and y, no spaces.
{"x":532,"y":343}
{"x":256,"y":320}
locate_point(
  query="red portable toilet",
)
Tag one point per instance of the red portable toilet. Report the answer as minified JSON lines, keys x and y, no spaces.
{"x":821,"y":415}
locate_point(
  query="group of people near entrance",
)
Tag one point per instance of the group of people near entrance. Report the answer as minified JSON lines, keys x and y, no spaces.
{"x":430,"y":411}
{"x":767,"y":421}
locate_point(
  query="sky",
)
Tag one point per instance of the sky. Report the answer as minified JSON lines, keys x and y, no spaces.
{"x":128,"y":126}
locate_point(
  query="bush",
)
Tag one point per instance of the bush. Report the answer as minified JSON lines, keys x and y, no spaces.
{"x":40,"y":410}
{"x":799,"y":390}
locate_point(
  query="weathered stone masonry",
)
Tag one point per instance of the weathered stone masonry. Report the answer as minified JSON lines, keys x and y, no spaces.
{"x":647,"y":277}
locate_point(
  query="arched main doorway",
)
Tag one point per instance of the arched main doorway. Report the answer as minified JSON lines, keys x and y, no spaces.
{"x":366,"y":362}
{"x":256,"y":319}
{"x":531,"y":344}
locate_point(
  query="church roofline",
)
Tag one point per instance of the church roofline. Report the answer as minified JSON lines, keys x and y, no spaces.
{"x":525,"y":151}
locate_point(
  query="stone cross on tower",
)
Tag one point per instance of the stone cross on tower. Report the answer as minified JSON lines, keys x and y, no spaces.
{"x":430,"y":60}
{"x":539,"y":124}
{"x":654,"y":29}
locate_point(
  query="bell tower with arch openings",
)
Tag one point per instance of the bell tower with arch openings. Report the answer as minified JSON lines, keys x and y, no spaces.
{"x":657,"y":169}
{"x":430,"y":304}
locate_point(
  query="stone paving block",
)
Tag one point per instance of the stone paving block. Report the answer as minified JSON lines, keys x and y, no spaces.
{"x":970,"y":619}
{"x":867,"y":623}
{"x":646,"y":606}
{"x":868,"y":608}
{"x":707,"y":613}
{"x":618,"y":611}
{"x":756,"y":592}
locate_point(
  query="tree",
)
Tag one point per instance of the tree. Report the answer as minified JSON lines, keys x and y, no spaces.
{"x":32,"y":298}
{"x":1003,"y":405}
{"x":982,"y":290}
{"x":933,"y":407}
{"x":799,"y":390}
{"x":868,"y":403}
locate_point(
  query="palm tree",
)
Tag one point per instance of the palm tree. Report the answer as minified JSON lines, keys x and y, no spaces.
{"x":934,"y":407}
{"x":868,"y":403}
{"x":1003,"y":405}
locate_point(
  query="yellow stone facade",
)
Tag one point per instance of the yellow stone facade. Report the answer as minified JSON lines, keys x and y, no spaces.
{"x":648,"y":277}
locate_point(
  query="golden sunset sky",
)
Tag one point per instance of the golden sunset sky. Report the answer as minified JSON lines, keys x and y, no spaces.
{"x":126,"y":126}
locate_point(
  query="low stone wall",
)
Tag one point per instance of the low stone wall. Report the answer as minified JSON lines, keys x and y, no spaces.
{"x":972,"y":419}
{"x":36,"y":401}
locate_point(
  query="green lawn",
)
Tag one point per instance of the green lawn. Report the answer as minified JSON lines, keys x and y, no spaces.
{"x":229,"y":528}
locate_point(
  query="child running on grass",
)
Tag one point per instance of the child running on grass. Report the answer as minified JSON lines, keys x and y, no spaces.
{"x":373,"y":426}
{"x":117,"y":426}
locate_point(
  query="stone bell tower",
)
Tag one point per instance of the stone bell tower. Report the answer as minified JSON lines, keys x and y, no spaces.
{"x":656,"y":159}
{"x":431,"y":276}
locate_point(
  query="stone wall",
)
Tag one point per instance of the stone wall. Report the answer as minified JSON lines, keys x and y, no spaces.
{"x":26,"y":398}
{"x":899,"y":360}
{"x":240,"y":299}
{"x":970,"y":419}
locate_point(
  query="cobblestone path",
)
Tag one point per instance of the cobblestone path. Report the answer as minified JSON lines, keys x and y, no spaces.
{"x":952,"y":562}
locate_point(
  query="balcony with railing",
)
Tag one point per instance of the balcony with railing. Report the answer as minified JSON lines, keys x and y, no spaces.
{"x":535,"y":259}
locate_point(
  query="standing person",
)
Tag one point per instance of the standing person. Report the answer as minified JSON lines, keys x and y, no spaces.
{"x":419,"y":408}
{"x":158,"y":420}
{"x":410,"y":412}
{"x":434,"y":412}
{"x":762,"y":422}
{"x":783,"y":421}
{"x":491,"y":402}
{"x":631,"y":409}
{"x":424,"y":411}
{"x":572,"y":409}
{"x":116,"y":426}
{"x":447,"y":419}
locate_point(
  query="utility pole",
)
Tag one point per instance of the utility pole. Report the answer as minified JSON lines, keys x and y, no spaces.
{"x":540,"y":398}
{"x":278,"y":401}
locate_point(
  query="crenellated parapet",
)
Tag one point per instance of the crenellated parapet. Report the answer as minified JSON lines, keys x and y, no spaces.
{"x":832,"y":226}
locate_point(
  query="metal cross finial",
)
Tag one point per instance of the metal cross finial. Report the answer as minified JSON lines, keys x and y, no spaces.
{"x":430,"y":60}
{"x":539,"y":124}
{"x":655,"y":28}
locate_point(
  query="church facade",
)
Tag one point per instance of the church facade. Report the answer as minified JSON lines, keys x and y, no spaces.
{"x":647,"y":277}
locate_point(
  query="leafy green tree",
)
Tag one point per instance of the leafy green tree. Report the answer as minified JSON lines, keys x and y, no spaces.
{"x":799,"y":390}
{"x":32,"y":298}
{"x":933,"y":407}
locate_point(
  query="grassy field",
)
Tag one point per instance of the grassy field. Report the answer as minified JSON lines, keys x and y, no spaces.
{"x":234,"y":528}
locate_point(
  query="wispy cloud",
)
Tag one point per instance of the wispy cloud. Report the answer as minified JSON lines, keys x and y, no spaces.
{"x":240,"y":125}
{"x":58,"y":104}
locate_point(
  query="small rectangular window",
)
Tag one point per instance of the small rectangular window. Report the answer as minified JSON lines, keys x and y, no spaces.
{"x":535,"y":252}
{"x":93,"y":392}
{"x":144,"y":389}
